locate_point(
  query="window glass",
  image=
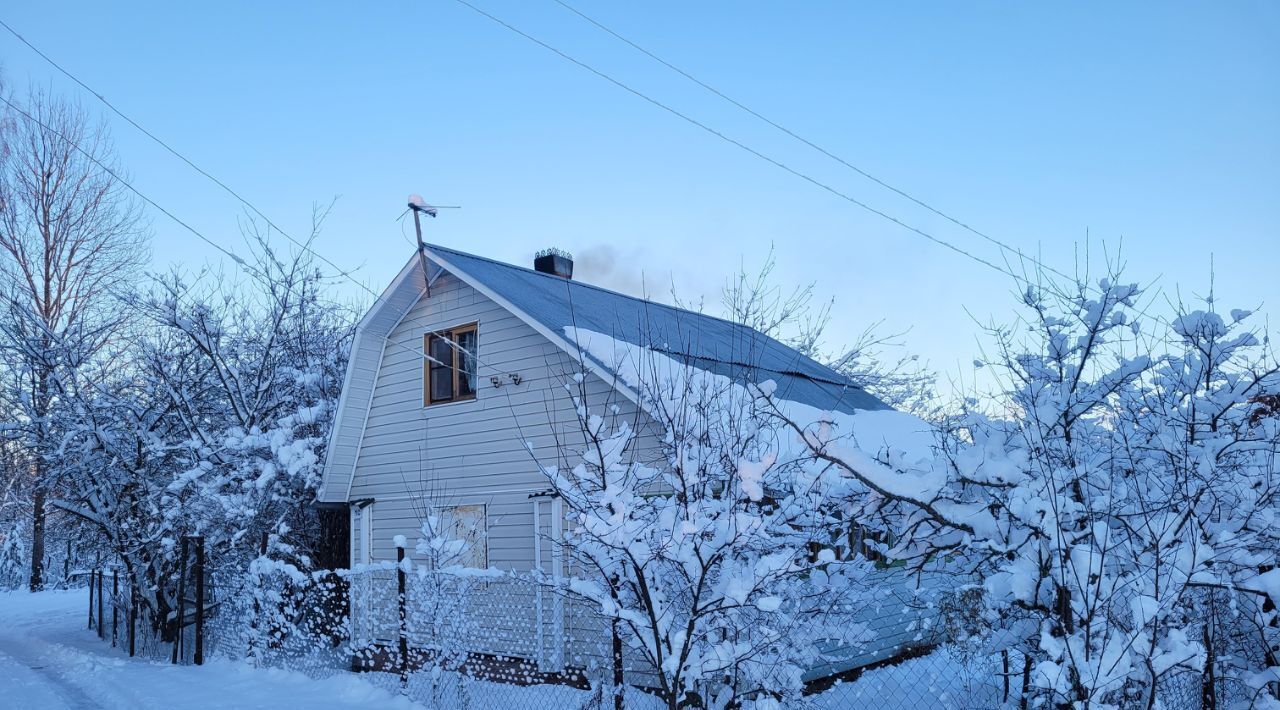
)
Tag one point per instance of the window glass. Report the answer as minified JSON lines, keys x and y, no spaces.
{"x":449,"y":370}
{"x":466,"y":357}
{"x":441,"y":368}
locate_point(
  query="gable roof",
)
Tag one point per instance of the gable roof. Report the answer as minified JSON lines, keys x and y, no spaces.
{"x":702,"y":341}
{"x":551,"y":305}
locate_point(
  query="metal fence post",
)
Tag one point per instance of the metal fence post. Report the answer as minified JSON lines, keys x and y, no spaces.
{"x":400,"y":599}
{"x":180,"y":634}
{"x":198,"y":570}
{"x":255,"y":622}
{"x":133,"y":618}
{"x":101,"y":632}
{"x":115,"y":603}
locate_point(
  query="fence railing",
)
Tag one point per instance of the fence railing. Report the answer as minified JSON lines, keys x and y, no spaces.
{"x":114,"y":594}
{"x":108,"y":599}
{"x":478,"y":639}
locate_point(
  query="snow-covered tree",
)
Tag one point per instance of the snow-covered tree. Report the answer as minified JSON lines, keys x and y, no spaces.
{"x":701,"y":538}
{"x":70,"y":234}
{"x":1117,"y":485}
{"x":212,"y":422}
{"x":1205,"y":423}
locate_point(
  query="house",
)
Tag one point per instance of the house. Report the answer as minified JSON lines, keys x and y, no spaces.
{"x":460,"y":433}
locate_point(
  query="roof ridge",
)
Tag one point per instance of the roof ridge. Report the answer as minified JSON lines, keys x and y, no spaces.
{"x":570,"y":283}
{"x":585,"y":284}
{"x":755,"y":366}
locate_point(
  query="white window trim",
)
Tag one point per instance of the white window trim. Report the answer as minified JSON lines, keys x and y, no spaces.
{"x":366,"y":534}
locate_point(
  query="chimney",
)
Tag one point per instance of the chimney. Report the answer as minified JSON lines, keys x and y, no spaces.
{"x":556,"y":262}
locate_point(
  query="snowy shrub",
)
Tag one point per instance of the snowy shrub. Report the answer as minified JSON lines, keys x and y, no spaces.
{"x":1126,"y":474}
{"x":709,"y":555}
{"x":211,"y":422}
{"x":13,"y":558}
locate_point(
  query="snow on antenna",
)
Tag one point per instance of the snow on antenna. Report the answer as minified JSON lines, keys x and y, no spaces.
{"x":419,"y":206}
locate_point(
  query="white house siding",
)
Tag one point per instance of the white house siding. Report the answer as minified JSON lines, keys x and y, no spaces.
{"x":357,"y":389}
{"x":470,"y":452}
{"x":412,"y":457}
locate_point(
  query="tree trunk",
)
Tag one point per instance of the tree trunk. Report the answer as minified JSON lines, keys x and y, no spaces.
{"x":1208,"y":698}
{"x":617,"y":668}
{"x":37,"y":530}
{"x":1026,"y":680}
{"x":41,"y":469}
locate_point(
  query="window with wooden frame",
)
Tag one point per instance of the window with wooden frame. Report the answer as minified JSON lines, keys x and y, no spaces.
{"x":449,"y":368}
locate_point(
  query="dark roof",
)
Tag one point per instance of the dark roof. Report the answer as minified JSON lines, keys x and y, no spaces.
{"x":706,"y":342}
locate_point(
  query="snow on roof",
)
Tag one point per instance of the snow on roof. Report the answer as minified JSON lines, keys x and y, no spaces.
{"x":865,"y":435}
{"x":702,"y":341}
{"x":557,"y":306}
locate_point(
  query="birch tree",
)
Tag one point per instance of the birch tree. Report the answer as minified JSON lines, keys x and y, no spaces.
{"x":69,"y":235}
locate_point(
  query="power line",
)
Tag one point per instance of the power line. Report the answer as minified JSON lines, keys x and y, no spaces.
{"x":620,"y":84}
{"x":116,"y":176}
{"x":302,"y":245}
{"x":739,"y":144}
{"x":226,"y":188}
{"x":175,"y":153}
{"x":808,"y":142}
{"x":342,"y":272}
{"x":423,"y":354}
{"x":777,"y":163}
{"x":231,"y":255}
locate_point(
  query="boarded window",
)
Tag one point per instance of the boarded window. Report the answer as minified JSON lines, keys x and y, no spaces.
{"x":467,"y":524}
{"x":449,"y":372}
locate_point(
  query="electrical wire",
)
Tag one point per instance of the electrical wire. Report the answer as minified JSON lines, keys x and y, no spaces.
{"x":302,"y":245}
{"x":172,"y":150}
{"x":116,"y":176}
{"x":229,"y":254}
{"x":739,"y":144}
{"x":902,"y":193}
{"x":705,"y":127}
{"x":779,"y":164}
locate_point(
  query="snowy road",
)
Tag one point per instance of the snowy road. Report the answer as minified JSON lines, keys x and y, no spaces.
{"x":48,"y":660}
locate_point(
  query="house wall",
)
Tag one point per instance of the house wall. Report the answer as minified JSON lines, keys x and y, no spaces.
{"x":361,"y":376}
{"x":412,"y":457}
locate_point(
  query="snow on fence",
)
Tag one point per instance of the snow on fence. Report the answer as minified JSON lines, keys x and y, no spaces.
{"x":483,"y":639}
{"x":500,"y":627}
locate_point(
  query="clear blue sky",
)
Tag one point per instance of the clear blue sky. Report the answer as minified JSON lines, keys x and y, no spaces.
{"x":1155,"y":124}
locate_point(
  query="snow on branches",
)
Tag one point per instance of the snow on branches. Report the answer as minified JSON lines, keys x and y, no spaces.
{"x":1126,"y":489}
{"x":705,"y":542}
{"x":211,"y":420}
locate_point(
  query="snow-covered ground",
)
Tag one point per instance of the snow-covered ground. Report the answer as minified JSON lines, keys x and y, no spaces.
{"x":939,"y":680}
{"x":50,"y":661}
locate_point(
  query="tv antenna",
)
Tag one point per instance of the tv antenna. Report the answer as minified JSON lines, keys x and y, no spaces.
{"x":419,"y":207}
